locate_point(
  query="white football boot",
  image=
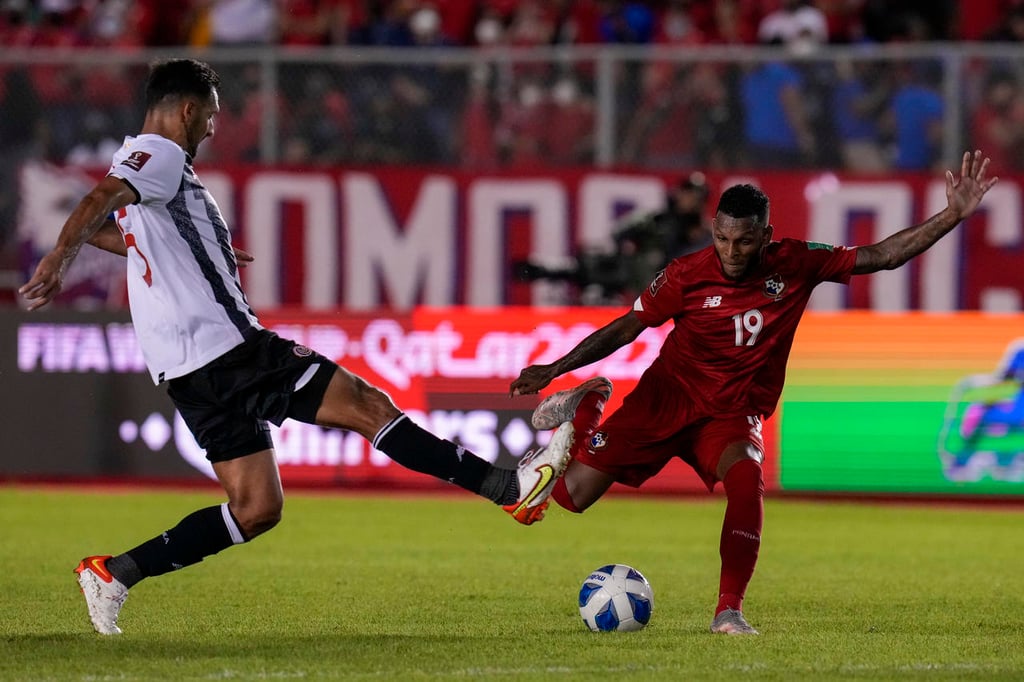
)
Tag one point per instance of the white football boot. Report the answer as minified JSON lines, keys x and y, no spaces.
{"x":104,"y":594}
{"x":732,"y":622}
{"x":537,"y":473}
{"x":561,"y":407}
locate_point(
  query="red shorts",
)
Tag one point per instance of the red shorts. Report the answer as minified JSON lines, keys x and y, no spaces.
{"x":658,"y":421}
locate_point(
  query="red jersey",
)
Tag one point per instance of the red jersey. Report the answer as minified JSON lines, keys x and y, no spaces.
{"x":732,"y":339}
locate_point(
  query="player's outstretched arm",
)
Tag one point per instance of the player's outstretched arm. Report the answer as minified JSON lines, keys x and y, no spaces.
{"x":89,"y":216}
{"x":963,"y":195}
{"x":602,"y":343}
{"x":108,"y":238}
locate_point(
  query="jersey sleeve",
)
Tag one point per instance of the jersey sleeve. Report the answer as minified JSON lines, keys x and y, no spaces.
{"x":661,"y":300}
{"x":827,"y":263}
{"x":152,"y":168}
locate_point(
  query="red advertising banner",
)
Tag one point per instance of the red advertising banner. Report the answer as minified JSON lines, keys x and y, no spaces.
{"x":448,"y":368}
{"x":398,"y":238}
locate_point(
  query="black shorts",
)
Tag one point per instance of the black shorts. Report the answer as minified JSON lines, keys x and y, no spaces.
{"x":228,"y":402}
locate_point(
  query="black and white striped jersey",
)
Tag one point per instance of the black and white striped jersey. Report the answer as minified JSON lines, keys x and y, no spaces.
{"x":185,"y":295}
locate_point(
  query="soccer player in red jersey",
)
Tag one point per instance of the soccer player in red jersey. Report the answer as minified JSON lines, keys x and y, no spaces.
{"x":736,"y":306}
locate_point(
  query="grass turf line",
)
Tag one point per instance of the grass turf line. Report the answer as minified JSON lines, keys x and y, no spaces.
{"x":377,"y":588}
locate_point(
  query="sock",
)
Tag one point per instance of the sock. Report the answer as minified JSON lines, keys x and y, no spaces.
{"x":560,"y":494}
{"x":500,"y":485}
{"x":741,"y":532}
{"x":124,"y":568}
{"x":422,"y":451}
{"x":196,"y":536}
{"x":585,"y":421}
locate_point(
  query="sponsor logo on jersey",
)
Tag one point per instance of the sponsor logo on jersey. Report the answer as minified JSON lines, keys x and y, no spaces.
{"x":302,"y":351}
{"x":818,"y":246}
{"x":712,"y":302}
{"x":599,"y":440}
{"x":136,"y":160}
{"x":658,"y":282}
{"x":774,"y":286}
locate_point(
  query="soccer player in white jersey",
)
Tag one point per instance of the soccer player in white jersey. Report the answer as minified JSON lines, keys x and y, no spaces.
{"x":227,"y":375}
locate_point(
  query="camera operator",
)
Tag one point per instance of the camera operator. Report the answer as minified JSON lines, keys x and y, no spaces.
{"x":647,"y":243}
{"x":644,"y":244}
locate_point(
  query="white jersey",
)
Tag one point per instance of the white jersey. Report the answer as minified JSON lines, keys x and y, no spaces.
{"x":183,"y":288}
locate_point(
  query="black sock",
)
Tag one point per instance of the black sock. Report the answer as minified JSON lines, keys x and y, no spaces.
{"x":422,"y":451}
{"x":196,"y":536}
{"x":501,"y":485}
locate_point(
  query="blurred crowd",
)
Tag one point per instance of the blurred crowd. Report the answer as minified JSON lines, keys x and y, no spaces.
{"x":159,"y":23}
{"x":858,"y":115}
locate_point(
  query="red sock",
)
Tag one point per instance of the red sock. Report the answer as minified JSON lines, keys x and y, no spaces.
{"x":560,"y":494}
{"x":585,"y":421}
{"x":741,"y":532}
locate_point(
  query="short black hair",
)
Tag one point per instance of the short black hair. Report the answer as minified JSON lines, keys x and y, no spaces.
{"x":744,"y":201}
{"x":179,"y":78}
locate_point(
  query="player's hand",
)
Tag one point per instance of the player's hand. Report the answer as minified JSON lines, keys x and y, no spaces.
{"x":242,"y":257}
{"x":46,"y":282}
{"x":965,"y":193}
{"x":531,"y":380}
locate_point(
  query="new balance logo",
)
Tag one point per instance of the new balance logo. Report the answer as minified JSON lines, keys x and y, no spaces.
{"x":712,"y":302}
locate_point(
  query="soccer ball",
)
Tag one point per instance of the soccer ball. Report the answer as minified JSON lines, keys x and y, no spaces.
{"x":616,"y":597}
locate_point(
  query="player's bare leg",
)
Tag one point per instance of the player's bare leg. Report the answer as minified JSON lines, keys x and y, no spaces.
{"x":581,"y":486}
{"x":739,"y":469}
{"x":255,"y":495}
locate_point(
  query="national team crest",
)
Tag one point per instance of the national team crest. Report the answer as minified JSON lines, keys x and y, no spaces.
{"x":599,"y":440}
{"x":774,"y":286}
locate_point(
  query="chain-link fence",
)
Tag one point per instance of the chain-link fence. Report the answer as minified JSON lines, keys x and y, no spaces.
{"x":883,"y":108}
{"x":857,"y":109}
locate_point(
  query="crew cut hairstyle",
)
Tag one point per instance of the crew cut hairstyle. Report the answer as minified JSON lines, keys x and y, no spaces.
{"x":744,"y":201}
{"x":179,"y":78}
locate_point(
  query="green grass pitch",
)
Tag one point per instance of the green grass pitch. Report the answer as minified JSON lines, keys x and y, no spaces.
{"x":435,"y":588}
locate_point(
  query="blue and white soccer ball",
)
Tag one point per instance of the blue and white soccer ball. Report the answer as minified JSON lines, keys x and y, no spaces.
{"x":616,"y":597}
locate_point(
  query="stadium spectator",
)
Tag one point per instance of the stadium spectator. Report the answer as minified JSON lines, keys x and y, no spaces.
{"x":662,"y":131}
{"x":730,"y":24}
{"x":797,"y":24}
{"x":388,"y":24}
{"x":998,"y":122}
{"x":626,"y":22}
{"x":736,"y":306}
{"x":776,"y":122}
{"x":907,"y":20}
{"x":522,"y":127}
{"x":915,"y":116}
{"x":237,"y":23}
{"x":842,"y":18}
{"x":489,"y":29}
{"x":648,"y":242}
{"x":569,"y":134}
{"x":308,"y":23}
{"x":227,"y":375}
{"x":320,"y":125}
{"x":23,"y":136}
{"x":576,"y":22}
{"x":859,"y":99}
{"x":1010,"y":29}
{"x":16,"y":27}
{"x":97,"y":146}
{"x":477,"y":144}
